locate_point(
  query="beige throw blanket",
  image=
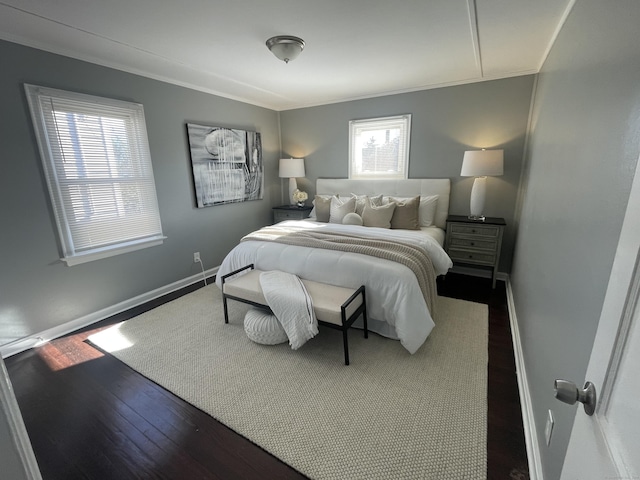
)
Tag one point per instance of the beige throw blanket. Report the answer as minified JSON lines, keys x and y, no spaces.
{"x":413,"y":257}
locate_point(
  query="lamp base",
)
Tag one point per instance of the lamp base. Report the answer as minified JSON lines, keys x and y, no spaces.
{"x":477,"y":198}
{"x":478,"y":218}
{"x":293,"y":186}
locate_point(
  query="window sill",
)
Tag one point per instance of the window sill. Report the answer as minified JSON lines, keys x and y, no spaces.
{"x":378,"y":176}
{"x":111,"y":251}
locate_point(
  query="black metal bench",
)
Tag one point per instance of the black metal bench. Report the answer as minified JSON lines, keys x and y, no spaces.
{"x":335,"y":307}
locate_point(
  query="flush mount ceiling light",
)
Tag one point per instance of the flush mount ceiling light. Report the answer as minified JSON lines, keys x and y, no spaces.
{"x":285,"y":47}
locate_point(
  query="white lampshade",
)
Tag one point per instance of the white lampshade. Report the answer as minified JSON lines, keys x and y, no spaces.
{"x":291,"y":168}
{"x":478,"y":163}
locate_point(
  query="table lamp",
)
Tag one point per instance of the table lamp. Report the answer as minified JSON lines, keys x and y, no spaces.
{"x":480,"y":164}
{"x":292,"y":168}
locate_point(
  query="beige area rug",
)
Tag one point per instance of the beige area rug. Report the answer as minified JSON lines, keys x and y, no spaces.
{"x":388,"y":415}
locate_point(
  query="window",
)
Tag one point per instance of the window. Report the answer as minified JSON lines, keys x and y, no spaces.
{"x":379,"y":147}
{"x":98,"y":169}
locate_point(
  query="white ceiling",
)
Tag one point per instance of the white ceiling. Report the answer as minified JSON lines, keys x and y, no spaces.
{"x":354,"y":48}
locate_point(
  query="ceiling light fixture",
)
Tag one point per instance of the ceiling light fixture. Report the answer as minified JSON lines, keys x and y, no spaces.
{"x":285,"y":47}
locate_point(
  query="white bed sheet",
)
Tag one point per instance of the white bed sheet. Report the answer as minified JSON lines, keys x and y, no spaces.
{"x":395,"y":305}
{"x":434,"y":232}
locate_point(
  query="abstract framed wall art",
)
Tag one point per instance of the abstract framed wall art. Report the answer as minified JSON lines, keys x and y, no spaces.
{"x":227,"y":165}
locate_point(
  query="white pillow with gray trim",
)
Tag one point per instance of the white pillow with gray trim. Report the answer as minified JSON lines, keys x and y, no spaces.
{"x":340,"y":207}
{"x":375,"y":200}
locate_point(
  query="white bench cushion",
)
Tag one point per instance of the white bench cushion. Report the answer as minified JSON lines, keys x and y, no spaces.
{"x":327,"y":299}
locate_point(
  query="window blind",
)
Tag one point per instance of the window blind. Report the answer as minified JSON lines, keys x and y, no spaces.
{"x":379,"y":147}
{"x":98,"y":168}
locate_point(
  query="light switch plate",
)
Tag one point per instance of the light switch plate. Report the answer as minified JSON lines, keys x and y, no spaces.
{"x":548,"y":429}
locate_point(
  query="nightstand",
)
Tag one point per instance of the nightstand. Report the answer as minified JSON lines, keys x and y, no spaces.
{"x":290,"y":212}
{"x":473,"y":242}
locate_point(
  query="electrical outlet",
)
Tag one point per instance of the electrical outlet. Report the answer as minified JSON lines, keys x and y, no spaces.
{"x":196,"y":257}
{"x":548,"y":429}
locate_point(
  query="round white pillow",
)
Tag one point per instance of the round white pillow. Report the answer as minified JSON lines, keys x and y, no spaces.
{"x":352,"y":219}
{"x":263,"y":327}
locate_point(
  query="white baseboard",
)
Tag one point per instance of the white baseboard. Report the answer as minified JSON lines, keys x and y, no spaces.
{"x":73,"y":325}
{"x":528,"y":420}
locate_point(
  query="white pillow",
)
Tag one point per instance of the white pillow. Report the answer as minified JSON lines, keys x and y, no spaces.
{"x":352,"y":219}
{"x":375,"y":200}
{"x":340,"y":207}
{"x":426,"y":211}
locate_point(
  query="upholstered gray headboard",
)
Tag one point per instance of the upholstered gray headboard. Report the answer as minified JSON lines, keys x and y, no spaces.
{"x":397,"y":188}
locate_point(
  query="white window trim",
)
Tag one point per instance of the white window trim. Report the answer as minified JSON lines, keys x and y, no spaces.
{"x":60,"y":202}
{"x":110,"y":251}
{"x":380,"y":122}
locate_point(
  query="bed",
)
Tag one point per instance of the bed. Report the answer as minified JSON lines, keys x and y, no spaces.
{"x":396,"y":301}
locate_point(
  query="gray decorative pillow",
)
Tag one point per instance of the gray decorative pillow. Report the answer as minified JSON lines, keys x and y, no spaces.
{"x":373,"y":216}
{"x":427,"y":210}
{"x":340,"y":207}
{"x":407,"y":214}
{"x":322,"y":208}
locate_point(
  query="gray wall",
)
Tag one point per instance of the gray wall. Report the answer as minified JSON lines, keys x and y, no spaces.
{"x":583,"y":149}
{"x":445,"y":122}
{"x":37,"y":291}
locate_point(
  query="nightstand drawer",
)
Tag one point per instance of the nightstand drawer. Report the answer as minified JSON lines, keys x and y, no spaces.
{"x":280,"y":216}
{"x":484,"y":230}
{"x":468,"y":256}
{"x":286,"y":212}
{"x":474,"y":242}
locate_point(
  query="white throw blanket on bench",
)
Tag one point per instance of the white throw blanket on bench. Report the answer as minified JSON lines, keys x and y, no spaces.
{"x":291,"y":304}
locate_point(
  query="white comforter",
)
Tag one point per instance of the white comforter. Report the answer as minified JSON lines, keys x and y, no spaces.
{"x":395,"y":305}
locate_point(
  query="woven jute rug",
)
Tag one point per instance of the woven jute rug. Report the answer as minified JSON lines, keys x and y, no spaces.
{"x":388,"y":415}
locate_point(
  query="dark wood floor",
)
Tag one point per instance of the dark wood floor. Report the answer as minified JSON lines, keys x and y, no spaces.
{"x":91,"y":416}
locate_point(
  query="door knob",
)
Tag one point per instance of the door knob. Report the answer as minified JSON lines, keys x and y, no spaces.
{"x":568,"y":392}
